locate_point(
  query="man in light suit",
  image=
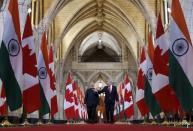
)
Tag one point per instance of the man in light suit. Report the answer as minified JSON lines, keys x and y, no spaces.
{"x":111,"y":97}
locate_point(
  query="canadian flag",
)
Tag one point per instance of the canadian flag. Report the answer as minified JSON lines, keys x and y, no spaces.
{"x":116,"y":112}
{"x":31,"y":88}
{"x":76,"y":102}
{"x":3,"y":104}
{"x":85,"y":115}
{"x":121,"y":93}
{"x":79,"y":97}
{"x":69,"y":99}
{"x":160,"y":80}
{"x":140,"y":101}
{"x":180,"y":57}
{"x":128,"y":99}
{"x":54,"y":103}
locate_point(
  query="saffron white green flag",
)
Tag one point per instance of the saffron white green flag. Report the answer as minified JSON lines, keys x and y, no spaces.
{"x":44,"y":78}
{"x":180,"y":57}
{"x":11,"y":56}
{"x":149,"y":97}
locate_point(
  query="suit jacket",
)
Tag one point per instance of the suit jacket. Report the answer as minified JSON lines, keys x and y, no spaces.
{"x":110,"y":97}
{"x":91,"y":97}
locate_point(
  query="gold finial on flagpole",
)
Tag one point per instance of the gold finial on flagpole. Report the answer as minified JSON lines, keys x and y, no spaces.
{"x":6,"y":122}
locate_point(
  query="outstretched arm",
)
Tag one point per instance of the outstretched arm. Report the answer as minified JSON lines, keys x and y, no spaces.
{"x":101,"y":91}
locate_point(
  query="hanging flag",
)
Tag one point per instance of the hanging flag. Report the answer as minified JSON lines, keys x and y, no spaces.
{"x":147,"y":69}
{"x":11,"y":57}
{"x":76,"y":102}
{"x":54,"y":103}
{"x":85,"y":114}
{"x":79,"y":97}
{"x":24,"y":10}
{"x":31,"y":88}
{"x":69,"y":99}
{"x":180,"y":57}
{"x":120,"y":91}
{"x":140,"y":101}
{"x":160,"y":81}
{"x":128,"y":98}
{"x":3,"y":104}
{"x":43,"y":71}
{"x":1,"y":27}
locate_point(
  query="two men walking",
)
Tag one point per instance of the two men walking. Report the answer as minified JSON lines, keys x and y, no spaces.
{"x":92,"y":100}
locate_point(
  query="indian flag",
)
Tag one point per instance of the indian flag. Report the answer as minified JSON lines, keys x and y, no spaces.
{"x":11,"y":56}
{"x":180,"y":57}
{"x":46,"y":92}
{"x":149,"y":97}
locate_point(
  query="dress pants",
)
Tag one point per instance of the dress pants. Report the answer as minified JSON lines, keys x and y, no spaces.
{"x":109,"y":107}
{"x":91,"y":110}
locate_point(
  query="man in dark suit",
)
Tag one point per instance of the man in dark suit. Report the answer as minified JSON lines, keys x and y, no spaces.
{"x":91,"y":100}
{"x":111,"y":97}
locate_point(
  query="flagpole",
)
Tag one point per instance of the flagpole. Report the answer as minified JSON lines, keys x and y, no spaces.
{"x":39,"y":123}
{"x":25,"y":123}
{"x":49,"y":119}
{"x":144,"y":121}
{"x":184,"y":121}
{"x":153,"y":121}
{"x":171,"y":120}
{"x":165,"y":123}
{"x":191,"y":123}
{"x":175,"y":123}
{"x":6,"y":122}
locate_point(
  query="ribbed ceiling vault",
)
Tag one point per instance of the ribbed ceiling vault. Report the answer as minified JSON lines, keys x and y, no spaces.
{"x":76,"y":19}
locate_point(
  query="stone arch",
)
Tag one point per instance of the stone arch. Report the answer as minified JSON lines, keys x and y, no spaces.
{"x":95,"y":75}
{"x":81,"y":79}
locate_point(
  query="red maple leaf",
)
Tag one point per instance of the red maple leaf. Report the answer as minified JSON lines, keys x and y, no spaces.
{"x":128,"y":96}
{"x":29,"y":62}
{"x":52,"y":79}
{"x":140,"y":80}
{"x":69,"y":96}
{"x":160,"y":64}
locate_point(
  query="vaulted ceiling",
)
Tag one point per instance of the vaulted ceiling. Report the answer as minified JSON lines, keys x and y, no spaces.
{"x":125,"y":20}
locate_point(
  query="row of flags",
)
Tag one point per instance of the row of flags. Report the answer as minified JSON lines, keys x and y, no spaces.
{"x":165,"y":74}
{"x":125,"y":108}
{"x":74,"y":107}
{"x":27,"y":82}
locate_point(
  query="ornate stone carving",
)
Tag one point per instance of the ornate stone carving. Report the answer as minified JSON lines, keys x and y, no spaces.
{"x":100,"y":14}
